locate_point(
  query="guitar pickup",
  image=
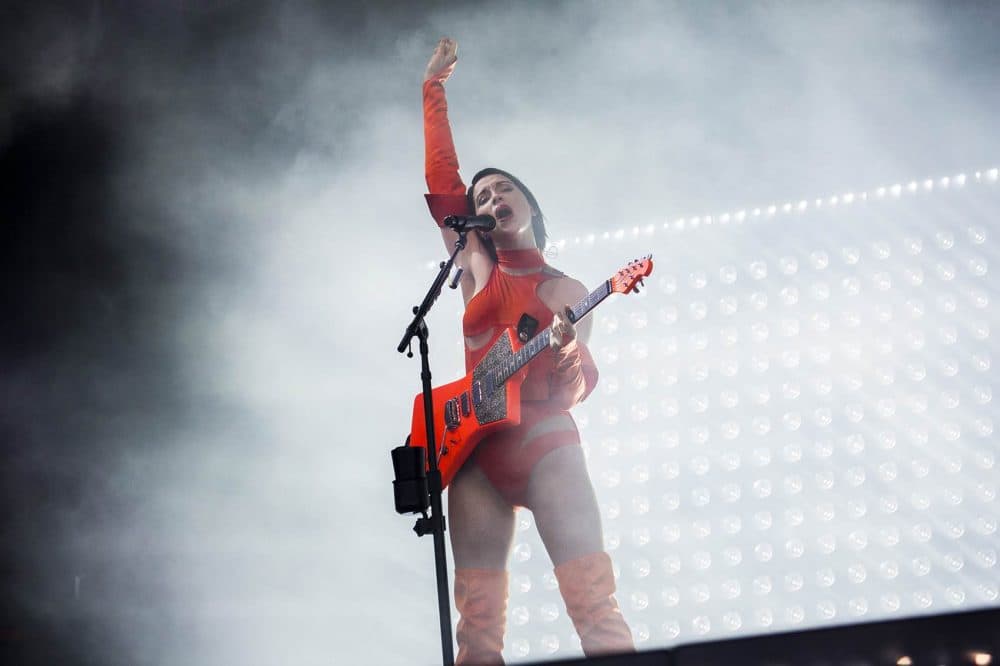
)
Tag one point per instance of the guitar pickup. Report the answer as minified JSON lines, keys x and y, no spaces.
{"x":451,"y":416}
{"x":466,"y":407}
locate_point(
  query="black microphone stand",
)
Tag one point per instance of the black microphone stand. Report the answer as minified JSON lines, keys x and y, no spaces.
{"x":435,"y":524}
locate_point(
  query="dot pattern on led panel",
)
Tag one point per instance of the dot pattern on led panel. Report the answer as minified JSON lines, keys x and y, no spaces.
{"x":790,"y":440}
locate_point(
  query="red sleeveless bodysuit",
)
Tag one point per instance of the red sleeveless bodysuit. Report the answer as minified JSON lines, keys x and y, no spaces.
{"x":555,"y":380}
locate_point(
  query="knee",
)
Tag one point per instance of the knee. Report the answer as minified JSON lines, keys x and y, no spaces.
{"x":476,"y":546}
{"x":570,"y":542}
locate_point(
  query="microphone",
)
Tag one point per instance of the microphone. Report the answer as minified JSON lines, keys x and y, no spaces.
{"x":467,"y":222}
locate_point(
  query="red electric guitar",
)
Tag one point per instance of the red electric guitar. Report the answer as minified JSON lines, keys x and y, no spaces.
{"x":489,"y":398}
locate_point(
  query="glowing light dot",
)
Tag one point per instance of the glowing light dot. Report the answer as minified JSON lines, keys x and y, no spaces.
{"x":819,"y":260}
{"x":978,"y":266}
{"x":795,"y":614}
{"x":788,"y":265}
{"x":820,"y":291}
{"x":889,"y":569}
{"x":945,"y":271}
{"x":945,"y":240}
{"x":977,"y":235}
{"x":823,"y":416}
{"x":519,"y":646}
{"x":762,"y":488}
{"x":913,"y":276}
{"x":825,"y":577}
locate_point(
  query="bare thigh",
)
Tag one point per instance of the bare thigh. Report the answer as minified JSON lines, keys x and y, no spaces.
{"x":561,"y":497}
{"x":480,"y":521}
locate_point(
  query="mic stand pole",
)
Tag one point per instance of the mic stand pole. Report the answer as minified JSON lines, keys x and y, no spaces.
{"x":435,"y":524}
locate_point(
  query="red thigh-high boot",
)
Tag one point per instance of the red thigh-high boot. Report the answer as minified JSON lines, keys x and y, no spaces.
{"x":481,"y":599}
{"x":587,"y":585}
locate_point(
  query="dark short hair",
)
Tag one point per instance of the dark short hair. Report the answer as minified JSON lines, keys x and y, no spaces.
{"x":537,"y":219}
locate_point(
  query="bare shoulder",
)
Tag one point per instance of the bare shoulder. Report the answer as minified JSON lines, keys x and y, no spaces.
{"x":573,"y":289}
{"x":561,"y":290}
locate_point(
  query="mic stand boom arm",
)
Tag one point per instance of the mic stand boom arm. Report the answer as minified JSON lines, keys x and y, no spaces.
{"x":435,"y":524}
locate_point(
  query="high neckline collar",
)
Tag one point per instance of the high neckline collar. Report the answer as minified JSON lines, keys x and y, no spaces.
{"x":520,"y":259}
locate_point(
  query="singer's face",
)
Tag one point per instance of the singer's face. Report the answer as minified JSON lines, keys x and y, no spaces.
{"x":496,"y":195}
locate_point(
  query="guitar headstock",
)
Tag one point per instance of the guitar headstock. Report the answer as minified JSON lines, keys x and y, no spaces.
{"x":631,"y":275}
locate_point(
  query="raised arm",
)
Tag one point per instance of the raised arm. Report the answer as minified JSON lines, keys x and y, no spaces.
{"x":446,"y":191}
{"x":440,"y":158}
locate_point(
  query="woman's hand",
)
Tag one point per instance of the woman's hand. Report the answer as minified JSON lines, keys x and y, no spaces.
{"x":562,"y":330}
{"x":442,"y":62}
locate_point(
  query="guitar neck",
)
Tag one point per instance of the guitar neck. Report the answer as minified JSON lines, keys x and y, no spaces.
{"x":541,"y":341}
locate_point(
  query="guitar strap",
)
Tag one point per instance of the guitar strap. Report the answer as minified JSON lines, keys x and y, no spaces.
{"x":526,"y":327}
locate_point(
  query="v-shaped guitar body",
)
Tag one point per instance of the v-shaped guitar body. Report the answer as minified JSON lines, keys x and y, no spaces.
{"x":467,"y":410}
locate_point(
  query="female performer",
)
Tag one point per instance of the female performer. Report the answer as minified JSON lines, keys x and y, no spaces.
{"x":537,"y":464}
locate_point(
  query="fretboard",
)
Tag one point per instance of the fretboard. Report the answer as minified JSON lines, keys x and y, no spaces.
{"x":535,"y":346}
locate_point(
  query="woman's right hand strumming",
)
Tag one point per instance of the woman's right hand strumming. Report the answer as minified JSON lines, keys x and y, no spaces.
{"x":442,"y":62}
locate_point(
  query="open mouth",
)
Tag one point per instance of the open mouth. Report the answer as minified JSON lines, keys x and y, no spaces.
{"x":503,"y":212}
